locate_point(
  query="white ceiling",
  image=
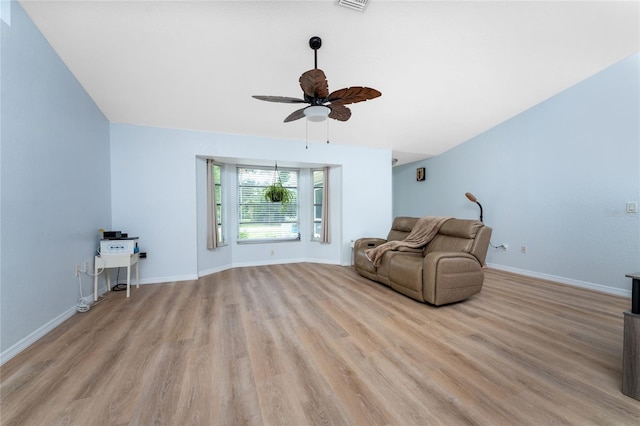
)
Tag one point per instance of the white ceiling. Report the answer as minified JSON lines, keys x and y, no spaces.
{"x":447,"y":70}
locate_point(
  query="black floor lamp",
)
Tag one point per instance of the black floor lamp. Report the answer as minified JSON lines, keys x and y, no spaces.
{"x":473,"y":199}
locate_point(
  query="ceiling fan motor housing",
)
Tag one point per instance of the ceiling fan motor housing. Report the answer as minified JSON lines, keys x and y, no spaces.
{"x":315,"y":42}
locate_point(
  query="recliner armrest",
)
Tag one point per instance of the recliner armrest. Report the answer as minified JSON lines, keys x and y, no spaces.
{"x":431,"y":260}
{"x":363,"y":265}
{"x":367,"y":243}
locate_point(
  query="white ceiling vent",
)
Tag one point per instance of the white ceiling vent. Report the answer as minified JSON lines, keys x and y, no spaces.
{"x":354,"y":4}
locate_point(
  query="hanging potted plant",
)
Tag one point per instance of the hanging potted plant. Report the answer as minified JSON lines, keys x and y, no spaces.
{"x":276,"y":193}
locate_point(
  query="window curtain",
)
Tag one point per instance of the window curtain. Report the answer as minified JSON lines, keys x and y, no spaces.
{"x":325,"y":232}
{"x":212,"y":211}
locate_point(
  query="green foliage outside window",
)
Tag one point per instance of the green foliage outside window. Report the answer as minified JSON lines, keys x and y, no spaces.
{"x":259,"y":219}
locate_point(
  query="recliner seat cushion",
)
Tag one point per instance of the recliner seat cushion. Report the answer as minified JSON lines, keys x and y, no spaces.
{"x":405,"y":274}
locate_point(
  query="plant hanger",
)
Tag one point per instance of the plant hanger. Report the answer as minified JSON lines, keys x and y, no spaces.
{"x":276,"y":175}
{"x":276,"y":192}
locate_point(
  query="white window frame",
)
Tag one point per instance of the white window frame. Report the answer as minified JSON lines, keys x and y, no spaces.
{"x":249,"y":195}
{"x":315,"y":187}
{"x":222,"y":231}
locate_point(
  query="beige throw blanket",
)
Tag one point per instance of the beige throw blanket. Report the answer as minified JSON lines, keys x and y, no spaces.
{"x":423,"y":231}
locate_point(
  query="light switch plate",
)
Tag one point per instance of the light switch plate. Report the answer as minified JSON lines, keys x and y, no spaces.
{"x":632,"y":207}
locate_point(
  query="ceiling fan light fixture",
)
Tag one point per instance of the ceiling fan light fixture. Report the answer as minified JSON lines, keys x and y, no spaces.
{"x":317,"y":113}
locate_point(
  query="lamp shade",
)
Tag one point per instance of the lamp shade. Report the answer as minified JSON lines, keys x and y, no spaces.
{"x":316,"y":113}
{"x":473,"y":199}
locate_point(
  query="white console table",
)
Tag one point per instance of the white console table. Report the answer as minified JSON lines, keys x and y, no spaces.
{"x":107,"y":261}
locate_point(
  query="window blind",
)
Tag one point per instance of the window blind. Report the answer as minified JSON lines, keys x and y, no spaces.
{"x":262,"y":220}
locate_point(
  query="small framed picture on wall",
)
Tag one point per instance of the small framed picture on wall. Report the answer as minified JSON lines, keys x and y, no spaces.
{"x":420,"y":176}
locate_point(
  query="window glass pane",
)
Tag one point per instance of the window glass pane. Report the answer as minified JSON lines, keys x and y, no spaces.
{"x":318,"y":177}
{"x":318,"y":195}
{"x":217,"y":182}
{"x":259,"y":219}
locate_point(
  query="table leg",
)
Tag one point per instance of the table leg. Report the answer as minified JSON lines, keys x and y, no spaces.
{"x":95,"y":281}
{"x":635,"y":296}
{"x":108,"y":279}
{"x":128,"y":280}
{"x":631,"y":356}
{"x":137,"y":274}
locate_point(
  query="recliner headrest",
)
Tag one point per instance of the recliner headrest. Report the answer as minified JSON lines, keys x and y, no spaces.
{"x":461,"y":228}
{"x":404,"y":224}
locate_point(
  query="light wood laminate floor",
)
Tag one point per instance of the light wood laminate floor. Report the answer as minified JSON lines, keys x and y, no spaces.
{"x":306,"y":344}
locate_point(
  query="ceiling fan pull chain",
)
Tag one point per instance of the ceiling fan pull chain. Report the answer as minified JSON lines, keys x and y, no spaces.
{"x":306,"y":122}
{"x":327,"y":131}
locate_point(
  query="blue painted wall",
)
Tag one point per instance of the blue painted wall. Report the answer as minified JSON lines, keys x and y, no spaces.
{"x":166,"y":192}
{"x":54,"y":183}
{"x":555,"y":178}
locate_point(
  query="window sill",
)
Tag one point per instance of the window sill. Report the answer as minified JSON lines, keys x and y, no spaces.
{"x":267,"y":241}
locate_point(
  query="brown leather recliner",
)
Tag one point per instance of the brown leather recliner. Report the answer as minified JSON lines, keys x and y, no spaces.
{"x":448,"y":269}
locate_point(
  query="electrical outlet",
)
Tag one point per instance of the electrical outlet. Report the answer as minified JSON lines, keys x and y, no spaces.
{"x":273,"y":252}
{"x":523,"y":249}
{"x":84,"y":268}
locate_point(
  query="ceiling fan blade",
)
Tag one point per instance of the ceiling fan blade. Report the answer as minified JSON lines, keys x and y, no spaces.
{"x":351,"y":95}
{"x":295,"y":115}
{"x":281,"y":99}
{"x":314,"y":84}
{"x":339,"y":112}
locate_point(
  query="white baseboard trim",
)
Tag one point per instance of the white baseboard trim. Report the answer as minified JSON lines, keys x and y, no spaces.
{"x":249,"y":264}
{"x":213,"y":270}
{"x":36,"y":335}
{"x":324,"y":261}
{"x":267,"y":262}
{"x":161,"y":280}
{"x":563,"y":280}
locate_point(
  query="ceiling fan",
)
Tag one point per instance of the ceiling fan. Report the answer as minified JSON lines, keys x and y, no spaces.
{"x":316,"y":93}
